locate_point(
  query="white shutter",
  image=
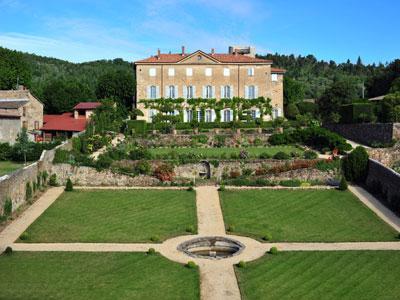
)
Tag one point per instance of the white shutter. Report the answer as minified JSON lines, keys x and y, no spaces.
{"x":258,"y":113}
{"x":204,"y":92}
{"x":166,"y":92}
{"x":222,"y":92}
{"x":213,"y":92}
{"x":176,"y":92}
{"x":185,"y":117}
{"x":256,"y":91}
{"x":148,"y":92}
{"x":231,"y":88}
{"x":213,"y":116}
{"x":157,"y":92}
{"x":246,"y":92}
{"x":279,"y":112}
{"x":194,"y":91}
{"x":184,"y":92}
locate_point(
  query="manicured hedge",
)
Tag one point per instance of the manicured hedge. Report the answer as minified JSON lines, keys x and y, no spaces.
{"x":356,"y":113}
{"x":136,"y":126}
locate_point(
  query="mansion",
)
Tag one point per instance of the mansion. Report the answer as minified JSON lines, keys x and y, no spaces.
{"x":209,"y":76}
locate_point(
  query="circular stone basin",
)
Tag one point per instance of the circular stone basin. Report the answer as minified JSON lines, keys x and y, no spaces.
{"x":214,"y":247}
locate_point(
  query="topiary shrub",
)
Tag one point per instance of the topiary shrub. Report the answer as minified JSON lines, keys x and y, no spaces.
{"x":28,"y":191}
{"x":281,"y":155}
{"x":273,"y":251}
{"x":241,"y":264}
{"x":343,"y":184}
{"x":155,"y":238}
{"x":267,"y":237}
{"x":191,"y":265}
{"x":151,"y":251}
{"x":7,"y":208}
{"x":8,"y":251}
{"x":53,"y":180}
{"x":355,"y":165}
{"x":69,"y":186}
{"x":309,"y":154}
{"x":24,"y":236}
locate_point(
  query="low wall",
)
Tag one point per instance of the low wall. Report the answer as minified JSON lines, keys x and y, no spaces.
{"x":385,"y":182}
{"x":365,"y":133}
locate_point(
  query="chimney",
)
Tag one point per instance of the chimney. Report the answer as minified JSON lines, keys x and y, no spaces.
{"x":235,"y":52}
{"x":158,"y":53}
{"x":76,"y":114}
{"x":183,"y":50}
{"x":212,"y":51}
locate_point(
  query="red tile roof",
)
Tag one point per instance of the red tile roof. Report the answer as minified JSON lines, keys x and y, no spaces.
{"x":276,"y":70}
{"x":87,"y":105}
{"x":222,"y":58}
{"x":64,"y":122}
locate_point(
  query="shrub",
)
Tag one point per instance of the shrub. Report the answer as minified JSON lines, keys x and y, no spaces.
{"x":34,"y":187}
{"x":234,"y":174}
{"x":191,"y":265}
{"x":243,"y":154}
{"x":264,"y":155}
{"x":231,"y":228}
{"x":7,"y":208}
{"x":53,"y":180}
{"x":136,"y":126}
{"x":62,"y":157}
{"x":273,"y":251}
{"x":151,"y":251}
{"x":69,"y":186}
{"x":45,"y":175}
{"x":28,"y":191}
{"x":154,"y":238}
{"x":327,"y":165}
{"x":290,"y":183}
{"x":247,"y":172}
{"x":190,"y":189}
{"x":309,"y":154}
{"x":165,"y":172}
{"x":8,"y":250}
{"x":5,"y":151}
{"x":343,"y":184}
{"x":77,"y":144}
{"x":221,"y":188}
{"x":281,"y":155}
{"x":143,"y":167}
{"x":103,"y":162}
{"x":190,"y":229}
{"x":355,"y":165}
{"x":24,"y":236}
{"x":241,"y":264}
{"x":200,"y":139}
{"x":267,"y":237}
{"x":140,"y":153}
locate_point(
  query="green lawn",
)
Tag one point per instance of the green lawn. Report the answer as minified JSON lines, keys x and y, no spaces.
{"x":7,"y":167}
{"x":218,"y":152}
{"x":322,"y":275}
{"x":115,"y":216}
{"x":303,"y":216}
{"x":82,"y":275}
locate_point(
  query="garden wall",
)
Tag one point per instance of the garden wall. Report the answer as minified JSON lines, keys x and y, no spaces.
{"x":364,"y":133}
{"x":385,"y":182}
{"x":386,"y":156}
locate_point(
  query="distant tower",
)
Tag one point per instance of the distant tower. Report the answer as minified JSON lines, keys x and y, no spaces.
{"x":243,"y":50}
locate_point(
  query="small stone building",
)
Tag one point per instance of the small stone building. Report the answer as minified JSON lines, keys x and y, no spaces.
{"x":18,"y":109}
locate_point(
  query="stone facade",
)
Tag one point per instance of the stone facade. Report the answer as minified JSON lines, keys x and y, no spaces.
{"x":19,"y":108}
{"x":232,"y":71}
{"x":386,"y":156}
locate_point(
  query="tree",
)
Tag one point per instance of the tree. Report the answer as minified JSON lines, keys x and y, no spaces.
{"x":293,"y":91}
{"x":14,"y":69}
{"x":22,"y":143}
{"x":108,"y":117}
{"x":119,"y":85}
{"x":355,"y":165}
{"x":342,"y":91}
{"x":291,"y":111}
{"x":395,"y":87}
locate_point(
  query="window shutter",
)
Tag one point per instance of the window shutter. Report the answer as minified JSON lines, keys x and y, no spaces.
{"x":213,"y":92}
{"x":213,"y":116}
{"x":194,"y":91}
{"x":185,"y":115}
{"x":231,"y":88}
{"x":157,"y":92}
{"x":204,"y":92}
{"x":246,"y":92}
{"x":148,"y":92}
{"x":222,"y":92}
{"x":166,"y":92}
{"x":258,"y":114}
{"x":279,"y":112}
{"x":256,"y":91}
{"x":176,"y":92}
{"x":184,"y":92}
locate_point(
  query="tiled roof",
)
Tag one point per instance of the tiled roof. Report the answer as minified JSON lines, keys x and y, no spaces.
{"x":276,"y":70}
{"x":222,"y":58}
{"x":64,"y":122}
{"x":87,"y":105}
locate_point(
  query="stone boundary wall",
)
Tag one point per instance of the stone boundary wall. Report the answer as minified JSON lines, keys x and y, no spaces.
{"x":385,"y":182}
{"x":13,"y":185}
{"x":365,"y":133}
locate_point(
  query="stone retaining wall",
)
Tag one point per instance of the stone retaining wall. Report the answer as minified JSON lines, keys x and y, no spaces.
{"x":364,"y":133}
{"x":386,"y":183}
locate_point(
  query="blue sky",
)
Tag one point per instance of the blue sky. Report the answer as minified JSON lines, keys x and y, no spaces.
{"x":88,"y":30}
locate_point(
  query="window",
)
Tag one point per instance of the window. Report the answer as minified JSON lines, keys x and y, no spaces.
{"x":171,"y":72}
{"x":208,"y":72}
{"x":199,"y":116}
{"x":227,"y":92}
{"x":252,"y":92}
{"x":153,"y":92}
{"x":250,"y":71}
{"x":227,"y":115}
{"x":209,"y":93}
{"x":189,"y":72}
{"x":208,"y":115}
{"x":189,"y":92}
{"x":152,"y":72}
{"x":171,"y":92}
{"x":274,"y":77}
{"x":227,"y":72}
{"x":36,"y":125}
{"x":189,"y":115}
{"x":152,"y":114}
{"x":253,"y":114}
